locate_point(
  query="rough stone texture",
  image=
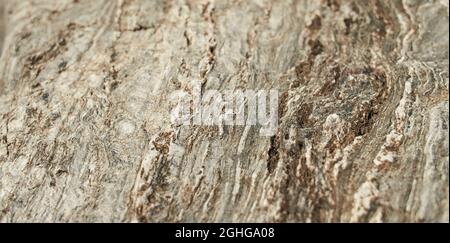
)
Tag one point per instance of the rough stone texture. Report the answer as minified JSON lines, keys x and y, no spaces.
{"x":84,"y":115}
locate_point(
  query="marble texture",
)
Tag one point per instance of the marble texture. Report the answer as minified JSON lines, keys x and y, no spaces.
{"x":85,"y":132}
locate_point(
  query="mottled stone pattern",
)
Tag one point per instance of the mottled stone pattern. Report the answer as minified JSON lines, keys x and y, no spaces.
{"x":85,"y":131}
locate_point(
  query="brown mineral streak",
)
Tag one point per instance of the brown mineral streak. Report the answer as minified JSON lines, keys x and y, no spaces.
{"x":85,"y":131}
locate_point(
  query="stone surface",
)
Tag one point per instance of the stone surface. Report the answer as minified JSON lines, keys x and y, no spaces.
{"x":85,"y":132}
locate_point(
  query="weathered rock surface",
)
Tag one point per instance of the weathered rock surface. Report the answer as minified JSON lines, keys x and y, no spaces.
{"x":85,"y":132}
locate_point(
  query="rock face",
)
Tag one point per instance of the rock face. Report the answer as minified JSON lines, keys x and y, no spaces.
{"x":86,"y":136}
